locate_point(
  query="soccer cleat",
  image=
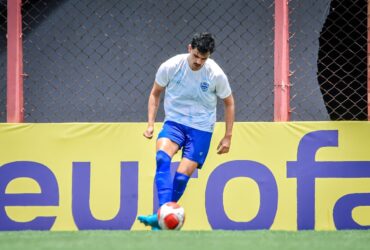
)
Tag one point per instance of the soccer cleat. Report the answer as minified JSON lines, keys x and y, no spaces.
{"x":150,"y":220}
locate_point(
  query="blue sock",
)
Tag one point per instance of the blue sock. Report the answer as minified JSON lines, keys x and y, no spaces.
{"x":163,"y":177}
{"x":179,"y":184}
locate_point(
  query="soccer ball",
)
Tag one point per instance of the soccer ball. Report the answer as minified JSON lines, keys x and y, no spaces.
{"x":171,"y":216}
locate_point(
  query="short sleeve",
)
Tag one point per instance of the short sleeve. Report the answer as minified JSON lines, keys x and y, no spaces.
{"x":223,"y":89}
{"x":162,"y":77}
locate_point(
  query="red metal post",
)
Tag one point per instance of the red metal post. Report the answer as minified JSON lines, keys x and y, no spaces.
{"x":15,"y":63}
{"x":281,"y":62}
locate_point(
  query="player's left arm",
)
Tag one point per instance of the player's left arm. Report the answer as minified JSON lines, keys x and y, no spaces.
{"x":224,"y":145}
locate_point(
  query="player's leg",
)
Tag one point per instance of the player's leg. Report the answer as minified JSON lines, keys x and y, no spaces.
{"x":168,"y":143}
{"x":195,"y":151}
{"x":165,"y":151}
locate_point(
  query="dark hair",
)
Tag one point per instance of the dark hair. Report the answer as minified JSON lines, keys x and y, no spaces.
{"x":204,"y":42}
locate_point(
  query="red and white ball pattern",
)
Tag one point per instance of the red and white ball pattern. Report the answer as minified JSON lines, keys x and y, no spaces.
{"x":171,"y":216}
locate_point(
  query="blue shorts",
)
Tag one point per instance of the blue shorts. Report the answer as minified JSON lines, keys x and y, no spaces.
{"x":194,"y":142}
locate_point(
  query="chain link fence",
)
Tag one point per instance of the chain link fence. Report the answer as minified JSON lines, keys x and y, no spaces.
{"x":95,"y":61}
{"x":328,"y":59}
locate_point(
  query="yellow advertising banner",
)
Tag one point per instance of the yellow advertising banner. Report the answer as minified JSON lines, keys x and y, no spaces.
{"x":277,"y":176}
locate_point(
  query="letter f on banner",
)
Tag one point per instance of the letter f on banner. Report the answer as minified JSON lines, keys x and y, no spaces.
{"x":306,"y":169}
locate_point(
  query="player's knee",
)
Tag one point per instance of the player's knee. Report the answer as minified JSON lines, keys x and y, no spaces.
{"x":187,"y":168}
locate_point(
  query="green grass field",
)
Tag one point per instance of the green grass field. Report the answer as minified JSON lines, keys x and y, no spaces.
{"x":252,"y":240}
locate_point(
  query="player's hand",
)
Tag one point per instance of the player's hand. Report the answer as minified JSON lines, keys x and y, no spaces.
{"x":148,"y":133}
{"x":224,"y":145}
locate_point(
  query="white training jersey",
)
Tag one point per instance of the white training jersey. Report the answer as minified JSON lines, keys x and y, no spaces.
{"x":191,"y":96}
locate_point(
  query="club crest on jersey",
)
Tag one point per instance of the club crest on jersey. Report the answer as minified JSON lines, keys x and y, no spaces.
{"x":204,"y":86}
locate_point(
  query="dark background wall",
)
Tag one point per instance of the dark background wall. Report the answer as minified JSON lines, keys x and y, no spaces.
{"x":96,"y":60}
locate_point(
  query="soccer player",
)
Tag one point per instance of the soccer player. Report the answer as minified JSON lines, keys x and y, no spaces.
{"x":192,"y":83}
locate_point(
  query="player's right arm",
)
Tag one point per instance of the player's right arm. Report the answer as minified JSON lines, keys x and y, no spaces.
{"x":164,"y":73}
{"x":153,"y":104}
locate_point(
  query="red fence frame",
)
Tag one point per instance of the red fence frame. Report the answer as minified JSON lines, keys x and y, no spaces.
{"x":281,"y":62}
{"x":15,"y":62}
